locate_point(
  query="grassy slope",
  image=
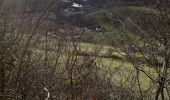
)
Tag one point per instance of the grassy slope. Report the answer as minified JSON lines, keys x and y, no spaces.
{"x":127,"y":14}
{"x":122,"y":70}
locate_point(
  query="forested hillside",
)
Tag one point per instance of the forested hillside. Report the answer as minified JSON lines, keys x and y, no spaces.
{"x":84,"y":50}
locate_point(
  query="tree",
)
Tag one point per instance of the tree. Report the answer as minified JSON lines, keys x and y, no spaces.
{"x":150,"y":54}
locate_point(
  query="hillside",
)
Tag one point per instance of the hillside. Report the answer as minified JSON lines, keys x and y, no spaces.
{"x":105,"y":17}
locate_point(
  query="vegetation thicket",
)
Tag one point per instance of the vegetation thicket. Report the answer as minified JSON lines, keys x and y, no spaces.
{"x":114,"y":50}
